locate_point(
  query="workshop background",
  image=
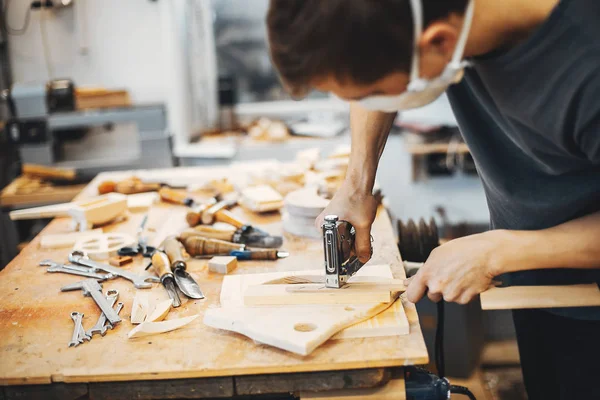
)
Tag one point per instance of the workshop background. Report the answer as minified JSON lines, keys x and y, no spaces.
{"x":187,"y":82}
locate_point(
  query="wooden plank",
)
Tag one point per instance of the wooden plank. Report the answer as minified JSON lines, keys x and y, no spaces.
{"x":519,"y":297}
{"x":314,"y":293}
{"x":35,"y":325}
{"x":297,"y":329}
{"x":390,"y":322}
{"x":393,"y":390}
{"x":311,"y":381}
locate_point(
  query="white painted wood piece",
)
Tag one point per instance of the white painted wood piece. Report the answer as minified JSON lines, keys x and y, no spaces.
{"x":105,"y":245}
{"x":300,"y":226}
{"x":154,"y":328}
{"x":222,"y":264}
{"x":60,"y":240}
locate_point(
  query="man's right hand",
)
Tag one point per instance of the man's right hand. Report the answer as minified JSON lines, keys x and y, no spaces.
{"x":357,"y":206}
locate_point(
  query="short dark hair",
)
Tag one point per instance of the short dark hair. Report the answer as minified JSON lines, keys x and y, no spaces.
{"x":360,"y":40}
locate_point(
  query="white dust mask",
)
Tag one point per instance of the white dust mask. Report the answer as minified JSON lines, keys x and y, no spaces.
{"x":421,"y":91}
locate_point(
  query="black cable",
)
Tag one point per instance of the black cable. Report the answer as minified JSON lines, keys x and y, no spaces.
{"x":462,"y":390}
{"x":439,"y":341}
{"x":19,"y":31}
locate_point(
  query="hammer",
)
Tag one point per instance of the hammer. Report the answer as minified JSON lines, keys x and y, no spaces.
{"x":211,"y":213}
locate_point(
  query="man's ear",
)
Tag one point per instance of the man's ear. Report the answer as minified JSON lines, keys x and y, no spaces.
{"x":440,"y":39}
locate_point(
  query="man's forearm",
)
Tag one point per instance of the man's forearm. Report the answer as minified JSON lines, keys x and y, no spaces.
{"x":370,"y":130}
{"x":574,"y":244}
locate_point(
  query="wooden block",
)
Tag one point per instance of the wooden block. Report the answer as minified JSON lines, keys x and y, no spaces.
{"x":119,"y":261}
{"x":222,"y":264}
{"x":60,"y":240}
{"x":519,"y":297}
{"x":262,"y":198}
{"x":140,"y":202}
{"x":314,"y":293}
{"x":393,"y":390}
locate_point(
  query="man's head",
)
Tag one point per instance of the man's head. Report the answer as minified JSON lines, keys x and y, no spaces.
{"x":358,"y":48}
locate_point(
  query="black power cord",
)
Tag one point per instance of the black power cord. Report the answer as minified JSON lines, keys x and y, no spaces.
{"x":417,"y":242}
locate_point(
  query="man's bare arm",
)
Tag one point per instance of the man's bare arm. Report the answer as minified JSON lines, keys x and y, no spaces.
{"x":370,"y":130}
{"x":354,"y":201}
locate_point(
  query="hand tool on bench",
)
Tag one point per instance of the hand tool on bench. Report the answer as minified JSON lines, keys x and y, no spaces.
{"x":100,"y":326}
{"x":130,"y":185}
{"x":140,"y":282}
{"x":77,"y":336}
{"x":162,"y":266}
{"x":341,"y":261}
{"x":91,"y":287}
{"x":194,"y":217}
{"x":199,"y":246}
{"x":142,"y":247}
{"x":74,"y":270}
{"x":55,"y":176}
{"x":177,"y":255}
{"x":247,"y":235}
{"x":173,"y":196}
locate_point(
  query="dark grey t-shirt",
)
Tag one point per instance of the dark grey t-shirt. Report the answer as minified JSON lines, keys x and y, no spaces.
{"x":531,"y":118}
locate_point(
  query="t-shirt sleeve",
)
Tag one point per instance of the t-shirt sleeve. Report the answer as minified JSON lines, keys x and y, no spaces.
{"x":587,"y":125}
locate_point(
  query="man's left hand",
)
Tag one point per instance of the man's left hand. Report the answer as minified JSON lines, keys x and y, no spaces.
{"x":458,"y":270}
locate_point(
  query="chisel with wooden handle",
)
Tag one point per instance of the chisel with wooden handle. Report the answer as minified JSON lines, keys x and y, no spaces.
{"x":162,"y":266}
{"x":199,"y":246}
{"x":178,"y":256}
{"x":247,"y":235}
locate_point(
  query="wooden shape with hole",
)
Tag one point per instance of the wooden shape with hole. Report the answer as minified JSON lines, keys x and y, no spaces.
{"x":104,"y":246}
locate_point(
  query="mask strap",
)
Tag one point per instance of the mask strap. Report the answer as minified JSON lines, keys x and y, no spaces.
{"x":417,"y":14}
{"x":464,"y":35}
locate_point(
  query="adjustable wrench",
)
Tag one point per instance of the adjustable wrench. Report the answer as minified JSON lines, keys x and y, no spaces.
{"x":140,"y":282}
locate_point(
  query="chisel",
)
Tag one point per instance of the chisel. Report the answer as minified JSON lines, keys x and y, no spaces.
{"x":162,"y":266}
{"x":177,"y":255}
{"x":199,"y":246}
{"x":247,"y":235}
{"x":256,"y":255}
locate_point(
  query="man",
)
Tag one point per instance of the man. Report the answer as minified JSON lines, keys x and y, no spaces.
{"x":528,"y":106}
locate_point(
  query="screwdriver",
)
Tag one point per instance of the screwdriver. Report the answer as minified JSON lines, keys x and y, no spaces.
{"x":162,"y":266}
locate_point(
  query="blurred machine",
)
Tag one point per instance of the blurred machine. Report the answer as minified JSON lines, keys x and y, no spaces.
{"x":48,"y":129}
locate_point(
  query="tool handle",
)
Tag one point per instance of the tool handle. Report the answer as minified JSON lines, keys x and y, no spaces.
{"x":208,"y":232}
{"x":42,"y":171}
{"x":106,"y":187}
{"x":161,"y":264}
{"x":174,"y":196}
{"x":199,"y":246}
{"x":228,"y":217}
{"x":135,"y":185}
{"x":194,"y":218}
{"x":269,"y":254}
{"x":176,"y":252}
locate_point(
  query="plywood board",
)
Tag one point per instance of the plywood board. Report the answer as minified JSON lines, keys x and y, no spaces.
{"x":519,"y":297}
{"x":393,"y":321}
{"x":312,"y":293}
{"x":298,"y":329}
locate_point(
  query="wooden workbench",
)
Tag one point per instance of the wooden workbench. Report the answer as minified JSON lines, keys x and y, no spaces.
{"x":198,"y":361}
